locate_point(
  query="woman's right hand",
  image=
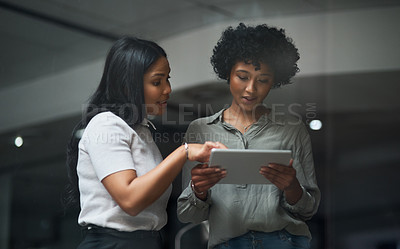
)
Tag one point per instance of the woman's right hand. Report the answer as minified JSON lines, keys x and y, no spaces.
{"x":202,"y":152}
{"x":204,"y":177}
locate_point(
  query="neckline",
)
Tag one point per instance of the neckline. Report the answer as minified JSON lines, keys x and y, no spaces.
{"x":245,"y":128}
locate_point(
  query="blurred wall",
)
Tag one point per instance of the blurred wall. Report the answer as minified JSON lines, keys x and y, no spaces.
{"x":330,"y":43}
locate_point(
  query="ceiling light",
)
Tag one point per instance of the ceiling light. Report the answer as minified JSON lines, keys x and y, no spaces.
{"x":315,"y":125}
{"x":18,"y":141}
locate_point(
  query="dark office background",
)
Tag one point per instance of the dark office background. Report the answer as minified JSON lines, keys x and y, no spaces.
{"x":51,"y":54}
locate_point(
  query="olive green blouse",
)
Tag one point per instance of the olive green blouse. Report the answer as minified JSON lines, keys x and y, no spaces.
{"x":233,"y":210}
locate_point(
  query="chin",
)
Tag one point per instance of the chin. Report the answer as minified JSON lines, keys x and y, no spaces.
{"x":248,"y":108}
{"x":160,"y":113}
{"x":156,"y":114}
{"x":157,"y":111}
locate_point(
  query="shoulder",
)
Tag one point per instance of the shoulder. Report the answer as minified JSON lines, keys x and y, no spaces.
{"x":107,"y":122}
{"x":202,"y":122}
{"x":200,"y":128}
{"x":285,"y":120}
{"x":288,"y":123}
{"x":107,"y":119}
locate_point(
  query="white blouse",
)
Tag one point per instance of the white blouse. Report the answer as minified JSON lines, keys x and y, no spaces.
{"x":109,"y":145}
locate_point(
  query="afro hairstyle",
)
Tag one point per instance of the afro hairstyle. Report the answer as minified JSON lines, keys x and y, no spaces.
{"x":255,"y":45}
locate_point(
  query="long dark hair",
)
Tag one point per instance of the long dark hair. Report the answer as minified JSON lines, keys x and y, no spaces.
{"x":120,"y":91}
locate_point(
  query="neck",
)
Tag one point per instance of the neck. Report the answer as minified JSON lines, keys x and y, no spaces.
{"x":246,"y":116}
{"x":241,"y":118}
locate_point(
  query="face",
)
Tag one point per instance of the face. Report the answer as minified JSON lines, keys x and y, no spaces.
{"x":157,"y":87}
{"x":250,"y":85}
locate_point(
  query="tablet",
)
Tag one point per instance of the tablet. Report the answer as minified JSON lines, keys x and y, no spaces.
{"x":243,"y":166}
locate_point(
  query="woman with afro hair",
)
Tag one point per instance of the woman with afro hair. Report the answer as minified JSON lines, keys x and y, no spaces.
{"x":253,"y":60}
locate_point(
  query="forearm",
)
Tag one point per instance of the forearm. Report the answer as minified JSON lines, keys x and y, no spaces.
{"x":146,"y":189}
{"x":192,"y":209}
{"x":306,"y":206}
{"x":293,"y":195}
{"x":301,"y":198}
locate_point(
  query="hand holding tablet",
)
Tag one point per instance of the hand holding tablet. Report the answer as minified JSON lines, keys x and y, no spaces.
{"x":243,"y":166}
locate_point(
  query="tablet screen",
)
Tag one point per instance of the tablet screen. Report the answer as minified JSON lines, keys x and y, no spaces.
{"x":243,"y":166}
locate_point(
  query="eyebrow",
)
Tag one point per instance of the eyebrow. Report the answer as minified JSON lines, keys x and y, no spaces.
{"x":158,"y":74}
{"x":244,"y":71}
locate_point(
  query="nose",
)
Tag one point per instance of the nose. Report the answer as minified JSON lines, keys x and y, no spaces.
{"x":167,"y":88}
{"x":251,"y":86}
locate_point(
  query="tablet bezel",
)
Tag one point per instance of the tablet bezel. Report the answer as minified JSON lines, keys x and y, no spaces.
{"x":243,"y":165}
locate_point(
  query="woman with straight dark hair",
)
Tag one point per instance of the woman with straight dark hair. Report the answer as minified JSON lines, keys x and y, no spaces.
{"x":115,"y":169}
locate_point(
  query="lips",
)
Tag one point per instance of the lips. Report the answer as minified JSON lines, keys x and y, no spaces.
{"x":249,"y":99}
{"x":163,"y":103}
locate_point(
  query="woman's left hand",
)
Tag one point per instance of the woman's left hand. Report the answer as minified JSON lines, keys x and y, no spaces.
{"x":284,"y":177}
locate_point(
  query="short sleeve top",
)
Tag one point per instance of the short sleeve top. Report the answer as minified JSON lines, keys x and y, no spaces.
{"x":109,"y":145}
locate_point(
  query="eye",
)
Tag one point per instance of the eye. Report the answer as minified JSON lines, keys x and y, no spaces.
{"x":241,"y":77}
{"x":156,"y":83}
{"x":264,"y":81}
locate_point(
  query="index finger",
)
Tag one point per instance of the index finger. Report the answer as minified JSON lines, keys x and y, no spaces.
{"x":221,"y":145}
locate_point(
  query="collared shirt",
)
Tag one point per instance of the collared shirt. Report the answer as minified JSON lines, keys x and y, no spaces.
{"x":233,"y":210}
{"x":109,"y":145}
